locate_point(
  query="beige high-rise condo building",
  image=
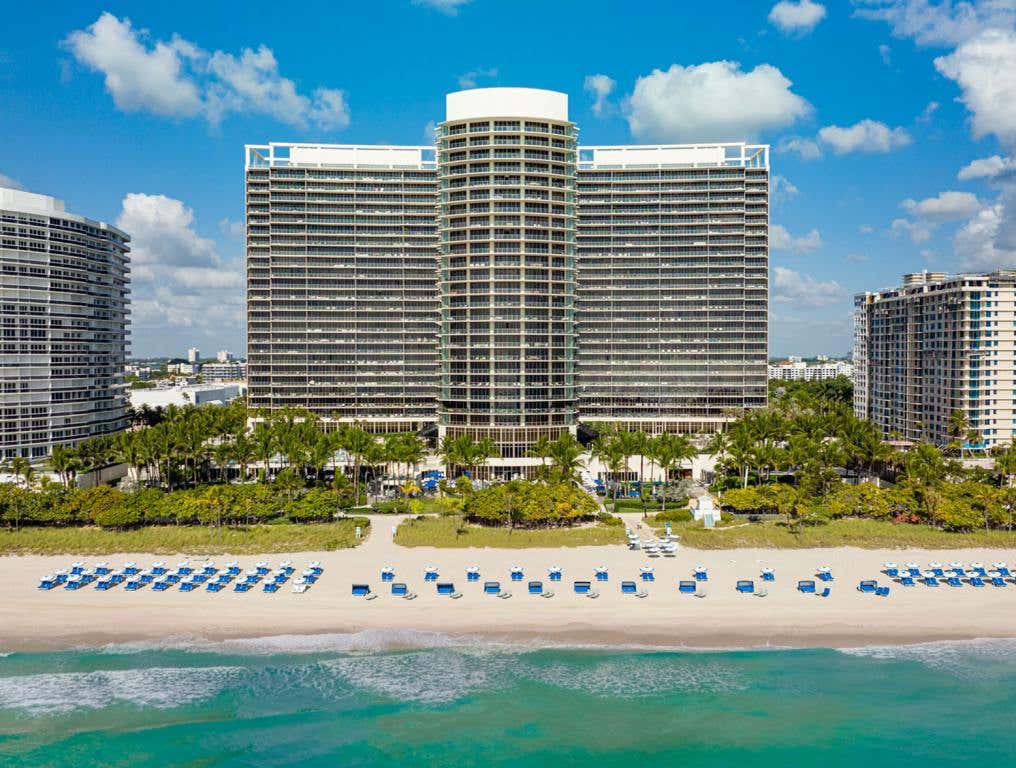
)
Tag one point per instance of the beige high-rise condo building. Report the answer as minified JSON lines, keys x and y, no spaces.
{"x":64,"y":301}
{"x":935,"y":345}
{"x":508,"y":282}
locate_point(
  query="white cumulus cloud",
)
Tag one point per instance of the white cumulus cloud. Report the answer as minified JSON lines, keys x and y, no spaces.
{"x":946,"y":206}
{"x":177,"y":78}
{"x":864,"y":136}
{"x":984,"y":67}
{"x":600,"y":86}
{"x":790,"y":287}
{"x":179,"y":279}
{"x":799,"y":17}
{"x":780,"y":239}
{"x":983,"y":168}
{"x":806,"y":149}
{"x":472,"y":77}
{"x":977,"y":243}
{"x":946,"y":22}
{"x":714,"y":101}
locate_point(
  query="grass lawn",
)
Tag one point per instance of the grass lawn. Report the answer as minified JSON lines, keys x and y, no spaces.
{"x":451,"y":531}
{"x":196,"y":540}
{"x":866,"y":534}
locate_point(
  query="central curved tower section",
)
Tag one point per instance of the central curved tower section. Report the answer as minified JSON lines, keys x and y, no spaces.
{"x":506,"y":220}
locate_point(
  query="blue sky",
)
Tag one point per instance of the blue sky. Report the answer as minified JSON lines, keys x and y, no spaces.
{"x":892,"y":123}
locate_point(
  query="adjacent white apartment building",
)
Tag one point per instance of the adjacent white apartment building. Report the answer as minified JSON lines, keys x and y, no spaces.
{"x":64,"y":302}
{"x":935,"y":345}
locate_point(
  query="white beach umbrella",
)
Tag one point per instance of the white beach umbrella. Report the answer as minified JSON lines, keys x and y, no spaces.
{"x":700,"y":568}
{"x":955,"y":565}
{"x":77,"y":564}
{"x":934,"y":564}
{"x":646,"y":569}
{"x":130,"y":564}
{"x":315,"y":564}
{"x":473,"y":569}
{"x":600,"y":569}
{"x":283,"y":564}
{"x":823,"y":569}
{"x":999,"y":565}
{"x":890,"y":565}
{"x":977,"y":565}
{"x":928,"y":574}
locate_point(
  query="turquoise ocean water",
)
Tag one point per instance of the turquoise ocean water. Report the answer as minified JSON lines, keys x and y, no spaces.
{"x":347,"y":701}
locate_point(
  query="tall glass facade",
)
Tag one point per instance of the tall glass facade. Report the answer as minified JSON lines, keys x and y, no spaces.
{"x":513,"y":283}
{"x":506,"y":220}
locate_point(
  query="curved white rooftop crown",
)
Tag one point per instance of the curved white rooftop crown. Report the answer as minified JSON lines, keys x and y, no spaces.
{"x":506,"y":102}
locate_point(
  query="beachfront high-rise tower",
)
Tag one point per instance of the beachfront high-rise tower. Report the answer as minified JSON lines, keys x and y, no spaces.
{"x":506,"y":226}
{"x":64,"y":301}
{"x":509,"y":283}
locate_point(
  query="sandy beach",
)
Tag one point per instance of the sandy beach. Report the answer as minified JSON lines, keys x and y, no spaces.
{"x":33,"y":619}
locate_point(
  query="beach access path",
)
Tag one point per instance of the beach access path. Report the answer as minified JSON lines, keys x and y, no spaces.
{"x":32,"y":619}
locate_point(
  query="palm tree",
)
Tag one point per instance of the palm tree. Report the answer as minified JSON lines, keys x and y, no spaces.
{"x":670,"y":451}
{"x":264,"y":443}
{"x":222,"y":453}
{"x":356,"y":442}
{"x":64,"y":463}
{"x":957,"y":425}
{"x":22,"y":468}
{"x":565,"y":456}
{"x":629,"y":444}
{"x":244,"y":451}
{"x":127,"y":450}
{"x":539,"y":450}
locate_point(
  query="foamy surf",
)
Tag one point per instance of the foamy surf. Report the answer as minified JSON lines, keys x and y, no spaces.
{"x":159,"y":687}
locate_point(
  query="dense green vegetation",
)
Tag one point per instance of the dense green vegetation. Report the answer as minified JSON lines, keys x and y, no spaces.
{"x":783,"y":461}
{"x":837,"y":390}
{"x":453,"y":531}
{"x":519,"y":504}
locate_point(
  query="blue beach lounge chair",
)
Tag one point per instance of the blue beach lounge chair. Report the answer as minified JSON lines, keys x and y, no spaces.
{"x":399,"y":589}
{"x":687,"y":587}
{"x":447,"y":588}
{"x":554,"y":574}
{"x":745,"y":586}
{"x":976,"y":581}
{"x":907,"y":581}
{"x":361,"y":590}
{"x":472,"y":573}
{"x":387,"y":574}
{"x":602,"y":575}
{"x":270,"y":587}
{"x":997,"y":581}
{"x":430,"y":574}
{"x":492,"y":587}
{"x":824,"y":574}
{"x":161,"y":586}
{"x":700,"y":574}
{"x":806,"y":586}
{"x":954,"y":581}
{"x":647,"y":576}
{"x":882,"y":591}
{"x":582,"y":587}
{"x":516,"y":574}
{"x":768,"y":574}
{"x":188,"y":586}
{"x":214,"y":586}
{"x":47,"y":582}
{"x":824,"y":592}
{"x":930,"y":581}
{"x":535,"y":587}
{"x":628,"y":587}
{"x":868,"y":585}
{"x":242,"y":586}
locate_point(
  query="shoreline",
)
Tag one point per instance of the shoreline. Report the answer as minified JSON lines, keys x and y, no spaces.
{"x":60,"y":619}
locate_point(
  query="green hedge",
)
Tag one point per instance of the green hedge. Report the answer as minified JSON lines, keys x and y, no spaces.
{"x":530,"y":505}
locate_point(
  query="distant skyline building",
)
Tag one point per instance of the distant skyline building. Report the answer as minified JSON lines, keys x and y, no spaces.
{"x":193,"y":355}
{"x":224,"y":356}
{"x":65,"y":297}
{"x":798,"y":370}
{"x":508,"y":283}
{"x":935,"y":345}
